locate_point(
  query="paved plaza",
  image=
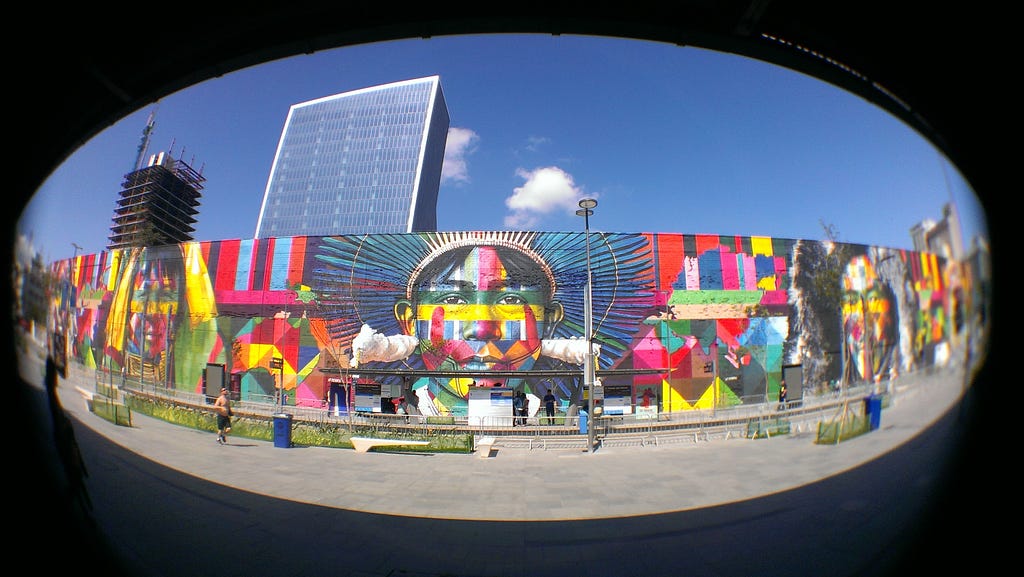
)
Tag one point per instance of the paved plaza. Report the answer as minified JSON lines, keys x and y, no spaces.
{"x":172,"y":501}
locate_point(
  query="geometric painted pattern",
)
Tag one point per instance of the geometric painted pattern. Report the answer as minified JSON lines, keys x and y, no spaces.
{"x":714,"y":312}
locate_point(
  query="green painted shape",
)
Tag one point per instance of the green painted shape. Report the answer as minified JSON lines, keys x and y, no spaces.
{"x":725,"y":397}
{"x":715,"y":297}
{"x":668,"y":336}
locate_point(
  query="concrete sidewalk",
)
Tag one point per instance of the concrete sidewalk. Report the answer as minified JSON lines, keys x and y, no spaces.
{"x":525,"y":484}
{"x":168,"y":500}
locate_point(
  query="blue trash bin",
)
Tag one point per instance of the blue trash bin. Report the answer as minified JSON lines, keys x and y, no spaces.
{"x":873,"y":411}
{"x":282,"y":430}
{"x":583,"y":422}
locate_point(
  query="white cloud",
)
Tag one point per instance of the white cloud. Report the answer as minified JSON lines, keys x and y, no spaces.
{"x":461,"y":142}
{"x":546,"y":190}
{"x":534,"y":143}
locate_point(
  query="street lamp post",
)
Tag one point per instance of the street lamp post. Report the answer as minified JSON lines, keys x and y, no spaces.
{"x":586,"y":209}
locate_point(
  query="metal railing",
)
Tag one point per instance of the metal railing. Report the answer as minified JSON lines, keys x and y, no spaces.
{"x":620,"y":430}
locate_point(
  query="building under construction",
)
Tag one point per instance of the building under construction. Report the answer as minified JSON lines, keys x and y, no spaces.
{"x":158,"y":204}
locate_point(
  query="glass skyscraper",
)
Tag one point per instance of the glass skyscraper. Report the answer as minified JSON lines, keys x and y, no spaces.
{"x":360,"y":162}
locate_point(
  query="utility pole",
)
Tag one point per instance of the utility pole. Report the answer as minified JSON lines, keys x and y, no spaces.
{"x":586,"y":209}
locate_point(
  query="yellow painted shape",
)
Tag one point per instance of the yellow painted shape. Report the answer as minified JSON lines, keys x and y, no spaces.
{"x":761,"y":245}
{"x":461,"y":385}
{"x":767,"y":283}
{"x":475,"y":312}
{"x":707,"y":398}
{"x":671,"y":400}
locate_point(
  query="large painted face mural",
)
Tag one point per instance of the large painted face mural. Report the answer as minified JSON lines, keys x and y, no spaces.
{"x":680,"y":322}
{"x":869,"y":322}
{"x":469,"y":304}
{"x":480,"y":308}
{"x":143,"y":312}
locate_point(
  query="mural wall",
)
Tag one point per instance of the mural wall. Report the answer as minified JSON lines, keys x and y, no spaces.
{"x":680,"y":322}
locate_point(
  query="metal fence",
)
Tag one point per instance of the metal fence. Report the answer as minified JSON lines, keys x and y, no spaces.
{"x":800,"y":416}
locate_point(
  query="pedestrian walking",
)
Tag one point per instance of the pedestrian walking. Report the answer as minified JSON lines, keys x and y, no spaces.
{"x":783,"y":393}
{"x":224,"y":413}
{"x":549,"y":406}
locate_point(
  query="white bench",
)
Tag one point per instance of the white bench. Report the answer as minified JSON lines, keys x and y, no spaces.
{"x":484,"y":447}
{"x":364,"y":444}
{"x":87,"y":395}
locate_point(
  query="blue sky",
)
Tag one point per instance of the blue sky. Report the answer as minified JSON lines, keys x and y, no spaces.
{"x":666,"y":138}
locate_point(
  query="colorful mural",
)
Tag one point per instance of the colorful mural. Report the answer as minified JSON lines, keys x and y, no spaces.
{"x":681,"y":322}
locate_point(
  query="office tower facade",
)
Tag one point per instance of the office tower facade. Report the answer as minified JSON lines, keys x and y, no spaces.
{"x":360,"y":162}
{"x":157,"y":204}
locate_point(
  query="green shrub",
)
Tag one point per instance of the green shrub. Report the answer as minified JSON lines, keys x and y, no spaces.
{"x":302,"y":433}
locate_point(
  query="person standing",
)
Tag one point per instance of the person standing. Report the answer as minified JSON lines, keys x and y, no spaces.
{"x":783,"y":393}
{"x":524,"y":411}
{"x":224,"y":413}
{"x":402,"y":408}
{"x":549,"y":406}
{"x":517,"y":407}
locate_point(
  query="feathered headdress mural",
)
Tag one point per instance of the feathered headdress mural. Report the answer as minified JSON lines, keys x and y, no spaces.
{"x":362,"y":278}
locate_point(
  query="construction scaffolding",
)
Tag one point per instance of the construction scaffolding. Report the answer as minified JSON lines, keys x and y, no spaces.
{"x":157,"y":204}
